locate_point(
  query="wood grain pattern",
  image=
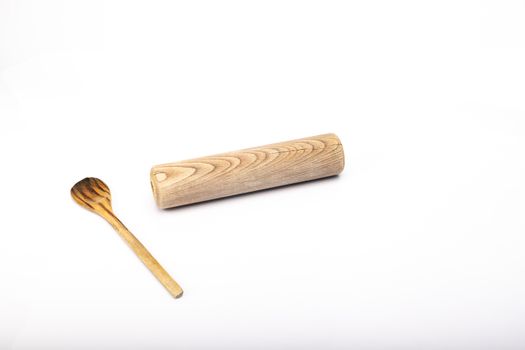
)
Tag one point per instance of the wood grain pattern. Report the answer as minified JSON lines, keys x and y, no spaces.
{"x":93,"y":194}
{"x":253,"y":169}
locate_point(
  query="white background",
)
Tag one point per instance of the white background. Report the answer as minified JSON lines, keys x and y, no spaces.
{"x":418,"y":244}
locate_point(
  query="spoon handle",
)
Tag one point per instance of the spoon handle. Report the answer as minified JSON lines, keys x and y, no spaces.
{"x":153,"y":265}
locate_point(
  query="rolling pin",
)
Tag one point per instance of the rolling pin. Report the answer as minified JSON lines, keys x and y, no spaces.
{"x":248,"y":170}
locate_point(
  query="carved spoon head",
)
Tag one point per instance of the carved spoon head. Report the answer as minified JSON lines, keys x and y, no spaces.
{"x":93,"y":194}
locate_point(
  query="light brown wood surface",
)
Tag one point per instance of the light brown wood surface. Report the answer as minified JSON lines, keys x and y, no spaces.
{"x":93,"y":194}
{"x":253,"y":169}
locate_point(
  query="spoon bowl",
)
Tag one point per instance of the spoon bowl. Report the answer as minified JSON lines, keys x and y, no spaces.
{"x":92,"y":194}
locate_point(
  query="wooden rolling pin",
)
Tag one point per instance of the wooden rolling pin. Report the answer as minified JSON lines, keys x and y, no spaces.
{"x":248,"y":170}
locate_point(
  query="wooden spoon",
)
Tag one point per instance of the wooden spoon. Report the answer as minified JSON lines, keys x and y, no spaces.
{"x":93,"y":194}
